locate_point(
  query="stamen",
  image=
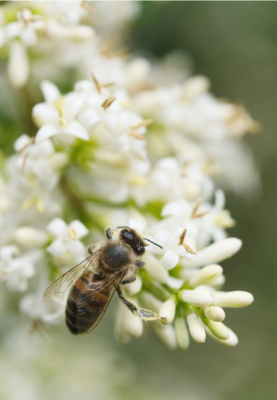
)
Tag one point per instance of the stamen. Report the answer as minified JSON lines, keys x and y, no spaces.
{"x":145,"y":122}
{"x":194,"y":213}
{"x":108,"y":102}
{"x":137,"y":136}
{"x":185,"y":245}
{"x":24,"y":163}
{"x":97,"y":84}
{"x":72,"y":234}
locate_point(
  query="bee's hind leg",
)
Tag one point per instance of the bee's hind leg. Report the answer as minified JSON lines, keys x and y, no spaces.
{"x":143,"y":313}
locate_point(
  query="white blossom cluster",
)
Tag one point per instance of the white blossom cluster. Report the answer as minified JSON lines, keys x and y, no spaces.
{"x":126,"y":146}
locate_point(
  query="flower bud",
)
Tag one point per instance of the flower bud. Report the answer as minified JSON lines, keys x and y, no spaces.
{"x":150,"y":301}
{"x":181,"y":333}
{"x":205,"y":275}
{"x":167,"y":311}
{"x":214,"y":253}
{"x":235,"y":299}
{"x":218,"y":329}
{"x":134,"y":287}
{"x":198,"y":298}
{"x":214,"y":313}
{"x":154,"y":268}
{"x":166,"y":334}
{"x":132,"y":324}
{"x":30,"y":237}
{"x":231,"y":341}
{"x":196,"y":328}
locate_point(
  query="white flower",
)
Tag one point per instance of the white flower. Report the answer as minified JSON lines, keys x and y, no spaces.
{"x":15,"y":268}
{"x":67,"y":239}
{"x":58,"y":114}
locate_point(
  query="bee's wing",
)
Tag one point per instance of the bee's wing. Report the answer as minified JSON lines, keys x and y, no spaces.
{"x":107,"y":286}
{"x":61,"y":286}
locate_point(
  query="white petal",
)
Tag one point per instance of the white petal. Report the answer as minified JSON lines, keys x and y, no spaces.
{"x":79,"y":228}
{"x":89,"y":117}
{"x":44,"y":113}
{"x":76,"y":129}
{"x":50,"y":91}
{"x":46,"y":132}
{"x":169,"y":260}
{"x":57,"y":248}
{"x":137,"y":225}
{"x":22,"y":141}
{"x":57,"y":227}
{"x":73,"y":104}
{"x":77,"y":249}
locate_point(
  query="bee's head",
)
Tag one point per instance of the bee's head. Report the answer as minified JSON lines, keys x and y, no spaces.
{"x":133,"y":239}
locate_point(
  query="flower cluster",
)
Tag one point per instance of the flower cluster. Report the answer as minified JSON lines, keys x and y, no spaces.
{"x":127,"y":145}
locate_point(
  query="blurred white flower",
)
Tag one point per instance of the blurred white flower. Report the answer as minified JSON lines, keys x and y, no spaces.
{"x":16,"y":268}
{"x":67,"y":239}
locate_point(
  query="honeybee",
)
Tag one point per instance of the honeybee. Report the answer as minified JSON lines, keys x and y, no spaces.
{"x":92,"y":283}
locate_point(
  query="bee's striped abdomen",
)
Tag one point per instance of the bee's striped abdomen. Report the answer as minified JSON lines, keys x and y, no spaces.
{"x":87,"y":302}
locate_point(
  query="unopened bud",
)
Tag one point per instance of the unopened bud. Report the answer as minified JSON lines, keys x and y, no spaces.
{"x":235,"y":299}
{"x":218,"y":329}
{"x":30,"y":237}
{"x":167,"y":311}
{"x":154,"y":268}
{"x":196,"y":328}
{"x":198,"y":298}
{"x":132,"y":324}
{"x":166,"y":334}
{"x":134,"y":287}
{"x":231,"y":341}
{"x":215,"y":313}
{"x":181,"y":333}
{"x":214,"y":253}
{"x":205,"y":275}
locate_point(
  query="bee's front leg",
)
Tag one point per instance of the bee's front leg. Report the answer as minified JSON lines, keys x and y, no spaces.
{"x":142,"y":313}
{"x":128,"y":280}
{"x":108,"y":232}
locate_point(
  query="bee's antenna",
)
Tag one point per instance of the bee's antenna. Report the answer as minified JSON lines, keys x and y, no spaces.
{"x":153,"y":243}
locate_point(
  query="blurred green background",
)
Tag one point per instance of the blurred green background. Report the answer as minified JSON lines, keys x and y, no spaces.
{"x":234,"y":44}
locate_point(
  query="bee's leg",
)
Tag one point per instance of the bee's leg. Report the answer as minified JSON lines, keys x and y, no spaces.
{"x":128,"y":280}
{"x":109,"y":233}
{"x":144,"y":314}
{"x":139,"y":264}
